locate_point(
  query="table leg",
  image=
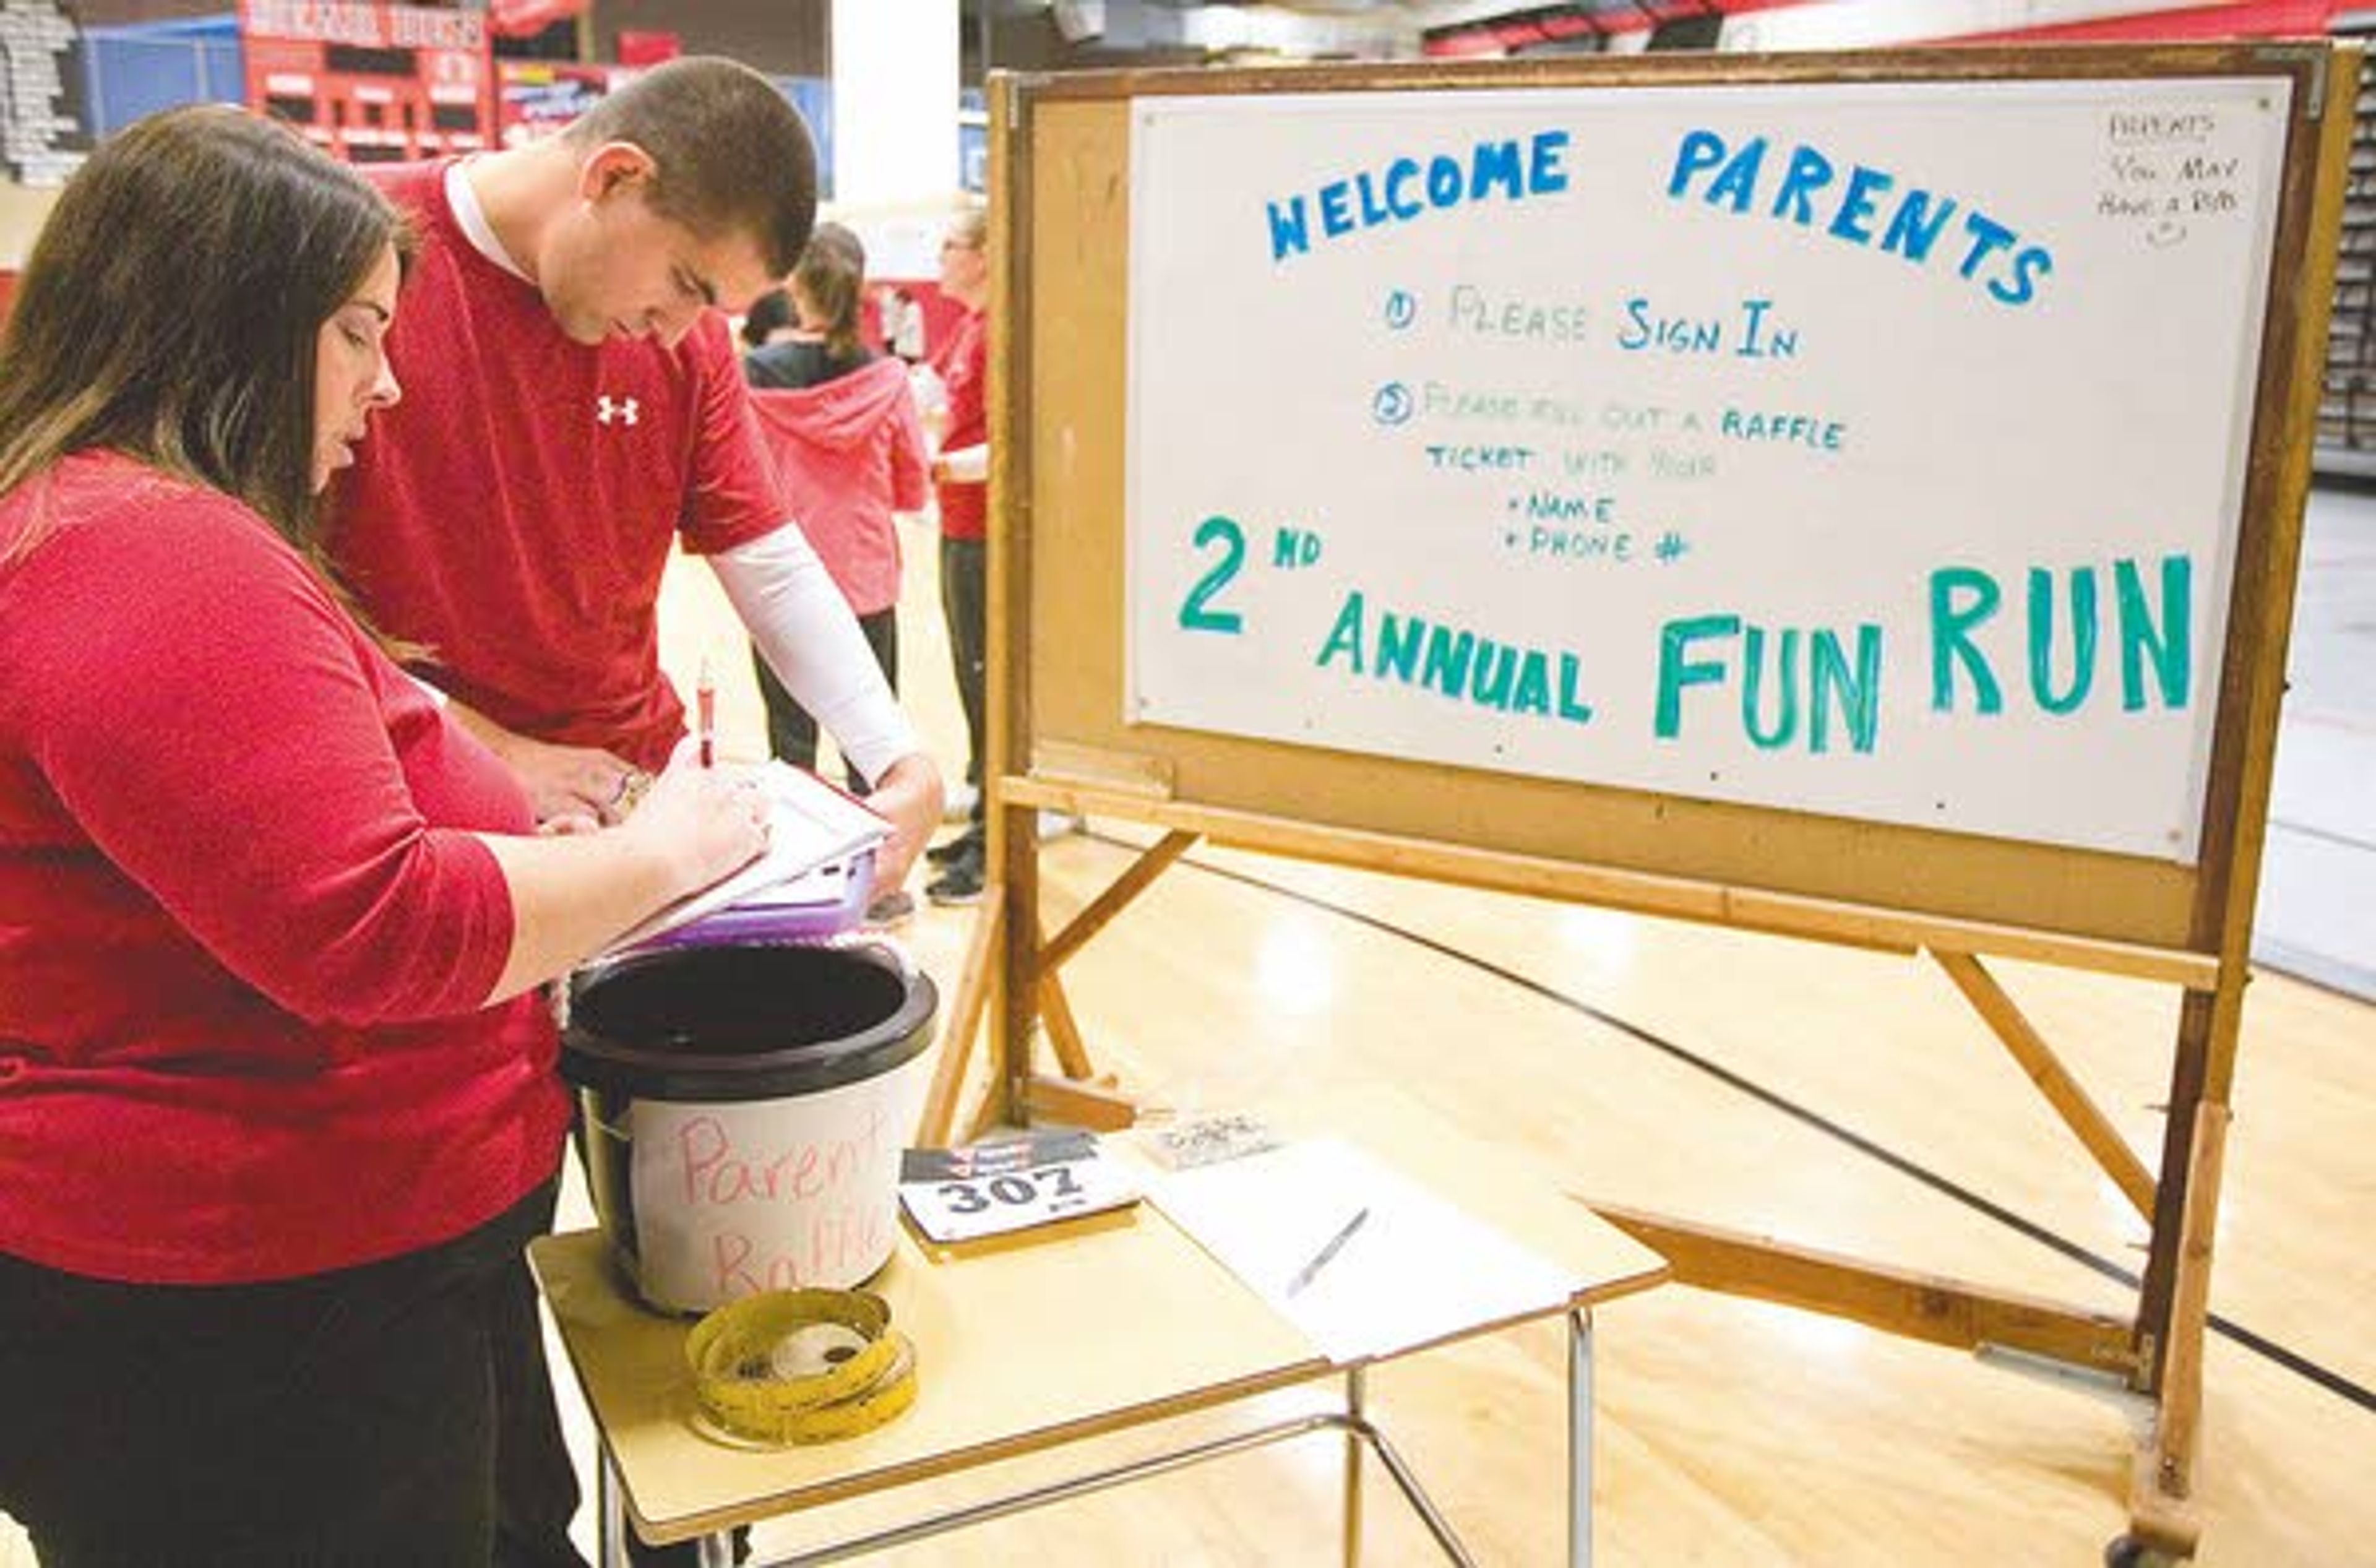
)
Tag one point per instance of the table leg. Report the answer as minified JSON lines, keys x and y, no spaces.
{"x":1356,"y":1388}
{"x":610,"y":1513}
{"x":1579,"y":1437}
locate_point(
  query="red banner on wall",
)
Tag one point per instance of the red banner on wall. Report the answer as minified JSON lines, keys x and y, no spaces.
{"x":534,"y":98}
{"x":525,"y":18}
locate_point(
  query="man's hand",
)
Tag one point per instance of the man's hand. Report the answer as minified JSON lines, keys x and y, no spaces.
{"x":579,"y":781}
{"x":566,"y":784}
{"x":908,"y":795}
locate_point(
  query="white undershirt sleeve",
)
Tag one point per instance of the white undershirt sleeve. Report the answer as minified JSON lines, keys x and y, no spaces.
{"x":804,"y":630}
{"x":968,"y":465}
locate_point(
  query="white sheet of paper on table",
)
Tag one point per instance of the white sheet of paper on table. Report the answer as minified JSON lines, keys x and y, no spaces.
{"x":1416,"y":1270}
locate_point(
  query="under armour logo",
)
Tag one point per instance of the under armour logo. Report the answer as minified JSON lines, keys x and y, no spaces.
{"x":607,"y":408}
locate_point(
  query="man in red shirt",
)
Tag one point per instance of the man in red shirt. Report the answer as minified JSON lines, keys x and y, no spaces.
{"x":574,"y":409}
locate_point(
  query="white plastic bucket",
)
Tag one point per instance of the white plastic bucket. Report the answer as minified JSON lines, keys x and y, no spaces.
{"x":743,"y":1110}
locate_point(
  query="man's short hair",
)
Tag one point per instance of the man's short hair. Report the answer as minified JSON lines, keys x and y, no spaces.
{"x":733,"y":156}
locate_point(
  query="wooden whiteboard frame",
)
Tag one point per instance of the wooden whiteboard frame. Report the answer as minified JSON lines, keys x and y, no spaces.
{"x":1060,"y":174}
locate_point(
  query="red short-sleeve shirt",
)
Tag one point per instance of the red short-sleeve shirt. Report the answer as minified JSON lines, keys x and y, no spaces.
{"x":514,"y":513}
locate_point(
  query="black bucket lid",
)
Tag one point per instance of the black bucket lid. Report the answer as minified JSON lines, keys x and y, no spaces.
{"x":744,"y":1022}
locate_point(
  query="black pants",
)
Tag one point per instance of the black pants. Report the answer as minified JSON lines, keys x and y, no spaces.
{"x":791,"y":729}
{"x":965,"y":602}
{"x":395,"y":1413}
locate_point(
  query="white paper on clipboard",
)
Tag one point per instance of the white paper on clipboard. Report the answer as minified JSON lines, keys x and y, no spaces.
{"x":810,"y":823}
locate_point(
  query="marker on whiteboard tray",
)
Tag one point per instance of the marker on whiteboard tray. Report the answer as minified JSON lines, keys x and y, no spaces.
{"x":704,"y":702}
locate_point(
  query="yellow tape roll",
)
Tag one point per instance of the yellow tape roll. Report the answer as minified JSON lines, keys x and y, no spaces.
{"x":800,"y":1366}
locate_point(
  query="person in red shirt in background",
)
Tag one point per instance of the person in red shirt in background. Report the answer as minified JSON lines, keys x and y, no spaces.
{"x":574,"y":410}
{"x":278,"y":1107}
{"x":961,"y":475}
{"x":848,"y":449}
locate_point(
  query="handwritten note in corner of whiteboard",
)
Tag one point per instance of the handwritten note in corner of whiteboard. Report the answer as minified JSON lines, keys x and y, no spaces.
{"x":1871,"y":449}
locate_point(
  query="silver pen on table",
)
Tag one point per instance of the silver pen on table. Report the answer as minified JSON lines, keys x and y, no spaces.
{"x":1328,"y":1250}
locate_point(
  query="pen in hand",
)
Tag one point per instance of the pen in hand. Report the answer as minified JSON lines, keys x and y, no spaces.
{"x":704,"y":702}
{"x":1328,"y":1250}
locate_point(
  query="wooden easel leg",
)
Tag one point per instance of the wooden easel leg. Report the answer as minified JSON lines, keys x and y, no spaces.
{"x":963,"y":1022}
{"x":1914,"y":1305}
{"x":1079,"y":1102}
{"x":1100,"y":1109}
{"x":1015,"y":1015}
{"x":986,"y":957}
{"x":1118,"y":895}
{"x":2079,"y":1113}
{"x":1056,"y":1008}
{"x":1063,"y":1032}
{"x":986,"y":1116}
{"x":2161,"y":1508}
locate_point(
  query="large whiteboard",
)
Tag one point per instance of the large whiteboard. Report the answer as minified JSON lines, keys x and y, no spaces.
{"x":1870,"y":449}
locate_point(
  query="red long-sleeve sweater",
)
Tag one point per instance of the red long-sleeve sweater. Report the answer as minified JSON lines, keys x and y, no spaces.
{"x":964,"y":365}
{"x":848,"y":453}
{"x":243,"y":931}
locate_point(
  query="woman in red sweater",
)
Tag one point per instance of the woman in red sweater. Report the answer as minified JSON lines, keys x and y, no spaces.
{"x":278,"y":1110}
{"x":960,"y":475}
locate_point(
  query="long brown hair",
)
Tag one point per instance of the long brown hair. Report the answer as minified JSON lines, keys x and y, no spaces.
{"x":831,"y":279}
{"x":173,"y":305}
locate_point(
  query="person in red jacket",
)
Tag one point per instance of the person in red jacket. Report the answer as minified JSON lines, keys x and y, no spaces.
{"x":278,"y":1106}
{"x":841,"y":427}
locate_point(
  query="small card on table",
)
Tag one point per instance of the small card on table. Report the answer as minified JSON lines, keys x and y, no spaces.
{"x":955,"y":1194}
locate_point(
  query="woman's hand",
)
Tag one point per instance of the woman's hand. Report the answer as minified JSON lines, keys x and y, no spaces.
{"x":701,"y":823}
{"x":574,"y":892}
